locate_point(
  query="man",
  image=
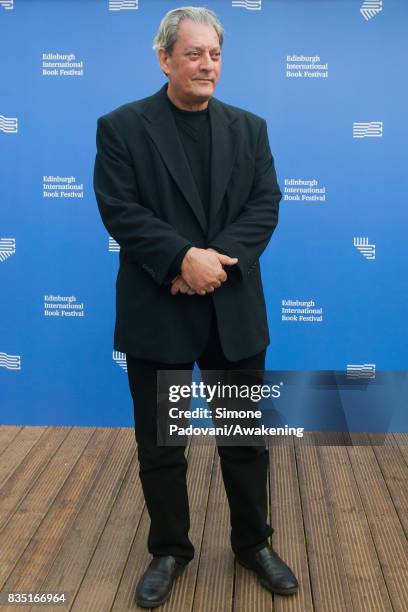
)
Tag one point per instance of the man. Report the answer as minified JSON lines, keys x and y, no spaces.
{"x":186,"y":185}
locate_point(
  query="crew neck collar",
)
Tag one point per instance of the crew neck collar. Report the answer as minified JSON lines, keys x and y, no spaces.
{"x":187,"y":113}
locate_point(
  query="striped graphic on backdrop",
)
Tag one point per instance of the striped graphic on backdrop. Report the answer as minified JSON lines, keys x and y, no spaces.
{"x":10,"y":362}
{"x":113,"y":245}
{"x":7,"y":248}
{"x":365,"y":248}
{"x":250,"y":5}
{"x":7,"y":4}
{"x":120,"y":359}
{"x":123,"y":5}
{"x":9,"y":125}
{"x":368,"y":129}
{"x":363,"y":370}
{"x":371,"y":8}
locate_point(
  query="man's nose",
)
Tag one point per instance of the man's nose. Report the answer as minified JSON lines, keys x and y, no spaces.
{"x":206,"y":62}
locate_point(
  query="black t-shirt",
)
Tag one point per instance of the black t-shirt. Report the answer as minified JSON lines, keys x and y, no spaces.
{"x":195,"y":135}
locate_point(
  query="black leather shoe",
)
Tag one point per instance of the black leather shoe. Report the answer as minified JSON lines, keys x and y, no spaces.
{"x":272,"y":572}
{"x":156,"y":583}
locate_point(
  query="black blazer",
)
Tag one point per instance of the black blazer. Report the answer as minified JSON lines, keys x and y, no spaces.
{"x":150,"y":205}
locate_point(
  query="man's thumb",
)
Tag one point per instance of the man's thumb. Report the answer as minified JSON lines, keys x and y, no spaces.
{"x":227,"y":261}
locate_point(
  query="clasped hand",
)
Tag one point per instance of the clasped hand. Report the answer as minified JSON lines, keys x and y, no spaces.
{"x":201,"y":272}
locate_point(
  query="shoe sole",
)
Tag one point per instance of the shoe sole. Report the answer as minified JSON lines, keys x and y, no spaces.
{"x":149,"y":604}
{"x":265,"y":584}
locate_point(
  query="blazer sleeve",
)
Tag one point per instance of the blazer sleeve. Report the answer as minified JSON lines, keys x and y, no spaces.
{"x":248,"y":235}
{"x":144,"y":238}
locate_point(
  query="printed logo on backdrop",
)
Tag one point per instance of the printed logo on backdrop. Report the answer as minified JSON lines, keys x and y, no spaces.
{"x":365,"y":248}
{"x":371,"y":8}
{"x":123,"y":5}
{"x":8,"y":125}
{"x":370,"y":129}
{"x":62,"y":65}
{"x":299,"y":190}
{"x":250,"y":5}
{"x":7,"y":4}
{"x":120,"y":359}
{"x":363,"y":370}
{"x":10,"y":362}
{"x":63,"y":306}
{"x":113,"y":246}
{"x":7,"y":248}
{"x":306,"y":67}
{"x":301,"y":311}
{"x":62,"y":187}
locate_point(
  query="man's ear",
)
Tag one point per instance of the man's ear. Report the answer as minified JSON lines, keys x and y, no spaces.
{"x":163,"y":58}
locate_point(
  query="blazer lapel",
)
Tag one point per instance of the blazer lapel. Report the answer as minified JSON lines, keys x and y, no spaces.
{"x":224,"y":146}
{"x":160,"y":125}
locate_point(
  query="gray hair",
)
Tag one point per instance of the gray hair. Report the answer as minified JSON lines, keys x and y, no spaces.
{"x":167,"y":33}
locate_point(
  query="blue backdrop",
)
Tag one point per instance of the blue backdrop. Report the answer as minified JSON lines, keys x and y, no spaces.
{"x":329,"y":78}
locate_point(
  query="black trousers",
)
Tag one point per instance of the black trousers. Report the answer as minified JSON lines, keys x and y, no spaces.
{"x":163,"y":469}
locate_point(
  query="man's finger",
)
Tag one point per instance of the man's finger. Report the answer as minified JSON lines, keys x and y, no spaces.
{"x":216,"y":284}
{"x":179,"y":285}
{"x":225,"y":260}
{"x":175,"y":288}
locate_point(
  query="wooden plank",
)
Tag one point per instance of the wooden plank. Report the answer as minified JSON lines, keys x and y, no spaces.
{"x":19,"y":530}
{"x":401,"y":440}
{"x":394,"y":469}
{"x":215,"y":584}
{"x":69,"y":524}
{"x":201,"y":460}
{"x":288,"y":538}
{"x":74,"y":556}
{"x":325,"y":438}
{"x":382,"y":439}
{"x":357,"y":548}
{"x":13,"y":455}
{"x":7,"y":434}
{"x":24,"y":476}
{"x":248,"y":593}
{"x":329,"y":585}
{"x":388,"y":535}
{"x":359,"y":439}
{"x":35,"y":563}
{"x":99,"y":586}
{"x":138,"y":560}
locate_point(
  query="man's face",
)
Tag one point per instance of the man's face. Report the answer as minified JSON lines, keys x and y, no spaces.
{"x":194,"y":67}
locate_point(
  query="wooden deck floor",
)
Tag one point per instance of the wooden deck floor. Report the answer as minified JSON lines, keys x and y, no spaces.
{"x":72,"y":519}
